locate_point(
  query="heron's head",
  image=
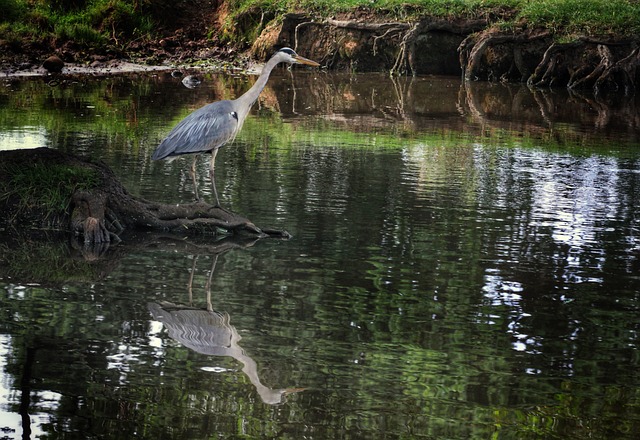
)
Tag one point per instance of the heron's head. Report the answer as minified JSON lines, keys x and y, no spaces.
{"x":290,"y":56}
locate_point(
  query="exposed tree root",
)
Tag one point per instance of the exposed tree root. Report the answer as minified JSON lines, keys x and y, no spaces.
{"x":361,"y":44}
{"x":539,"y":61}
{"x":473,"y":47}
{"x":554,"y":68}
{"x":505,"y":60}
{"x":586,"y":64}
{"x":100,"y":214}
{"x":585,"y":76}
{"x":622,"y":74}
{"x":484,"y":52}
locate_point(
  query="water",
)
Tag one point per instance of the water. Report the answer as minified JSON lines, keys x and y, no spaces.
{"x":464,"y":264}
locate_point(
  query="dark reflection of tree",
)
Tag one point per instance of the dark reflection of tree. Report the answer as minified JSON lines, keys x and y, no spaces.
{"x":364,"y":103}
{"x":25,"y":391}
{"x":209,"y":332}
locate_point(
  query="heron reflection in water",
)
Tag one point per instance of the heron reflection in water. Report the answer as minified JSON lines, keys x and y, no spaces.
{"x":210,"y":332}
{"x":212,"y":126}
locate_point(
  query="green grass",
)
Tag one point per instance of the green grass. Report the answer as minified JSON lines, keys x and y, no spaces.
{"x":82,"y":33}
{"x":85,"y":23}
{"x":45,"y":187}
{"x":100,"y":23}
{"x":588,"y":17}
{"x":12,"y":10}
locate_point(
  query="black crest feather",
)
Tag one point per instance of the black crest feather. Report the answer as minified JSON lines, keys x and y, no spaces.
{"x":288,"y":51}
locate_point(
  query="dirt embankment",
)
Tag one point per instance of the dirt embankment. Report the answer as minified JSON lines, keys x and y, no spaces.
{"x":361,"y":41}
{"x":189,"y":36}
{"x":472,"y":48}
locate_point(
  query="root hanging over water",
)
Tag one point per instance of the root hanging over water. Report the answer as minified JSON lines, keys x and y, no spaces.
{"x":495,"y":56}
{"x":99,"y":211}
{"x":396,"y":46}
{"x":406,"y":56}
{"x":588,"y":64}
{"x":538,"y":60}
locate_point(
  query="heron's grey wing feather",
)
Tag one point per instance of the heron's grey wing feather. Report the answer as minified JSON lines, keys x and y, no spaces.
{"x":203,"y":130}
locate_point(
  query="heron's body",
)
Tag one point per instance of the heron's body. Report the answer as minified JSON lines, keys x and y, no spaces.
{"x":214,"y":125}
{"x":207,"y":128}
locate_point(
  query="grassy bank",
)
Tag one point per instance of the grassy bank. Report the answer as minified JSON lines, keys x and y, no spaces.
{"x":95,"y":24}
{"x":565,"y":17}
{"x":100,"y":25}
{"x":48,"y":186}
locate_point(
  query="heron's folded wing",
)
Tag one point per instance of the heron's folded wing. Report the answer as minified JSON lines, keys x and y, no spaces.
{"x":203,"y":130}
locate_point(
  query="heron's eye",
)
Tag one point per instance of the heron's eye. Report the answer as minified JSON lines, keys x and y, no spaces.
{"x":234,"y":115}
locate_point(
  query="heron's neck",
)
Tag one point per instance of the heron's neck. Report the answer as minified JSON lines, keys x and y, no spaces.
{"x":247,"y":100}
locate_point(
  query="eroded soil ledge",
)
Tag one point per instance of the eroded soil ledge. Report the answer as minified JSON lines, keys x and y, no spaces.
{"x":474,"y":49}
{"x":100,"y":213}
{"x":363,"y":41}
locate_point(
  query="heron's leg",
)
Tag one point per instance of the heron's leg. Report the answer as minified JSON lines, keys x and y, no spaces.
{"x":208,"y":285}
{"x":192,"y":172}
{"x":212,"y":168}
{"x":190,"y":284}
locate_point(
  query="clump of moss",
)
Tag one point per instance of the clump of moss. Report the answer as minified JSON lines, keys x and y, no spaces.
{"x":45,"y":189}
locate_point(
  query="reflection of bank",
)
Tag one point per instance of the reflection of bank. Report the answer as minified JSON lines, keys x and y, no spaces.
{"x":210,"y":332}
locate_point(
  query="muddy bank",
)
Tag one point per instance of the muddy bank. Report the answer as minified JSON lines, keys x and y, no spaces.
{"x":153,"y":57}
{"x":188,"y":37}
{"x":360,"y":41}
{"x":106,"y":68}
{"x":473,"y":49}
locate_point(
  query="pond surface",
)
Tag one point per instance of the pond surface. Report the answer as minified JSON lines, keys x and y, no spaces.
{"x":464,"y":264}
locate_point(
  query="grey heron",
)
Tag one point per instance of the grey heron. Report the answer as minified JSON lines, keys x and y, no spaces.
{"x":214,"y":125}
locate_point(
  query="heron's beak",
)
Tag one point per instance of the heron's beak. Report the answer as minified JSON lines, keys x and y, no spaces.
{"x":308,"y":62}
{"x":288,"y":391}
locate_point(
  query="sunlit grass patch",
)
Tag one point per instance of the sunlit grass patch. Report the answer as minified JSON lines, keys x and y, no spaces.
{"x":85,"y":23}
{"x":584,"y":16}
{"x":591,"y":17}
{"x":80,"y":33}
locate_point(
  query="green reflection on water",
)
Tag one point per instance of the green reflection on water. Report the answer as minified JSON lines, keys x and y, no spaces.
{"x":452,"y":275}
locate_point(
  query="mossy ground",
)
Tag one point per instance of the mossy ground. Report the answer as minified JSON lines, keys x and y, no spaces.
{"x":45,"y":189}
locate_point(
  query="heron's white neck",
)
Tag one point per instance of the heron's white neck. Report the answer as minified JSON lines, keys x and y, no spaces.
{"x":250,"y":96}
